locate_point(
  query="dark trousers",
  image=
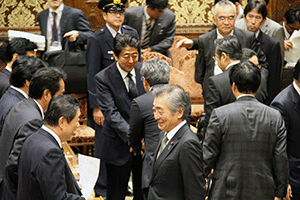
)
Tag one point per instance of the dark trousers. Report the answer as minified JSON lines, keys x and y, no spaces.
{"x":295,"y":196}
{"x":137,"y":165}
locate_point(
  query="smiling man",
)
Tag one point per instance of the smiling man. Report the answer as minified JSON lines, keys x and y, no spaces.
{"x":155,"y":24}
{"x":116,"y":86}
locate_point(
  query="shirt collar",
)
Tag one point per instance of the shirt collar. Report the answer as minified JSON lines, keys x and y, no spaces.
{"x":233,"y":63}
{"x":19,"y":90}
{"x":123,"y":73}
{"x":245,"y":95}
{"x":8,"y":68}
{"x":53,"y":134}
{"x":171,"y":134}
{"x":286,"y":33}
{"x":112,"y":31}
{"x":296,"y":87}
{"x":40,"y":107}
{"x":219,"y":36}
{"x":146,"y":14}
{"x":59,"y":10}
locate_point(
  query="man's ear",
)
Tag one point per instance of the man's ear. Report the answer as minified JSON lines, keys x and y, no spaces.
{"x":180,"y":113}
{"x":214,"y":20}
{"x":115,"y":56}
{"x":14,"y":57}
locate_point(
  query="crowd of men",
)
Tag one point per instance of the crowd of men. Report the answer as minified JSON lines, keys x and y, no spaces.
{"x":246,"y":146}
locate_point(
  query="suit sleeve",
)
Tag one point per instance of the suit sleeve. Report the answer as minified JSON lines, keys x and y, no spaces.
{"x":136,"y":126}
{"x":169,"y":34}
{"x":191,"y":164}
{"x":200,"y":66}
{"x":53,"y":180}
{"x":281,"y":162}
{"x":93,"y":63}
{"x":25,"y":131}
{"x":83,"y":27}
{"x":212,"y":142}
{"x":282,"y":109}
{"x":279,"y":36}
{"x":106,"y":103}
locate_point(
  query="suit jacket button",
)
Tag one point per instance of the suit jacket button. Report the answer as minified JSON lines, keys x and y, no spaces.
{"x":112,"y":58}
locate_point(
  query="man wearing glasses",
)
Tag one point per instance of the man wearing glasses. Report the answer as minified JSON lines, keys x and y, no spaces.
{"x":155,"y":24}
{"x":205,"y":66}
{"x":99,"y":55}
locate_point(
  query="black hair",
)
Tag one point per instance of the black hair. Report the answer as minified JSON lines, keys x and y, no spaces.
{"x":292,"y":15}
{"x":296,"y":71}
{"x":247,"y":54}
{"x":19,"y":46}
{"x":61,"y":106}
{"x":125,"y":40}
{"x":3,"y":45}
{"x":267,"y":1}
{"x":259,"y":6}
{"x":159,"y":4}
{"x":229,"y":45}
{"x":23,"y":69}
{"x":46,"y":78}
{"x":246,"y":77}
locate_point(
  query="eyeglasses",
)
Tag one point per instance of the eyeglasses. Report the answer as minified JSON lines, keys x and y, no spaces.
{"x":116,"y":12}
{"x":223,"y":19}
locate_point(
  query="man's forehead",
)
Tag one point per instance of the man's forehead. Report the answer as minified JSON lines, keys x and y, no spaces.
{"x":221,"y":10}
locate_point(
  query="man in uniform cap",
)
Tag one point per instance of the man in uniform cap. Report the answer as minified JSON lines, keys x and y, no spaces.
{"x":99,"y":56}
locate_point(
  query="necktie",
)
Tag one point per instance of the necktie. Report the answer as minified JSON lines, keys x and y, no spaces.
{"x":132,"y":87}
{"x":146,"y":39}
{"x":163,"y":144}
{"x":54,"y":28}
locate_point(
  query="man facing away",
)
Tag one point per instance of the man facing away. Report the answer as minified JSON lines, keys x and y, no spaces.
{"x":155,"y":24}
{"x":24,"y":119}
{"x":43,"y":170}
{"x":245,"y":144}
{"x":143,"y":126}
{"x":177,"y":169}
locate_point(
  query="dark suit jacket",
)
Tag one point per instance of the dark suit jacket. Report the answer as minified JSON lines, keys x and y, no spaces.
{"x":144,"y":126}
{"x":4,"y":81}
{"x":10,"y":98}
{"x":71,"y":19}
{"x":271,"y":49}
{"x":99,"y":56}
{"x":43,"y":170}
{"x":287,"y":103}
{"x":24,"y":119}
{"x":178,"y":171}
{"x":245,"y":143}
{"x":114,"y":101}
{"x":163,"y":31}
{"x":204,"y":66}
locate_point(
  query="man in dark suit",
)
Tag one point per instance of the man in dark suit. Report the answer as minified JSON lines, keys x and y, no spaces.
{"x":116,"y":86}
{"x":22,"y":71}
{"x":245,"y":143}
{"x":59,"y":22}
{"x":15,"y":48}
{"x":99,"y":55}
{"x":255,"y":15}
{"x":43,"y":170}
{"x":155,"y":73}
{"x":177,"y":171}
{"x":287,"y":103}
{"x":224,"y":19}
{"x":155,"y":24}
{"x":24,"y":119}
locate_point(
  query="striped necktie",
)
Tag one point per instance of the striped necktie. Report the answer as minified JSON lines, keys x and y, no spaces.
{"x":146,"y":39}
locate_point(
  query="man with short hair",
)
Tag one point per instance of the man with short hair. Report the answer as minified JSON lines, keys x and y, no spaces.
{"x":255,"y":15}
{"x":22,"y":71}
{"x":116,"y":86}
{"x":24,"y":119}
{"x":15,"y":48}
{"x":287,"y":103}
{"x":43,"y":170}
{"x":59,"y":22}
{"x":291,"y":22}
{"x":143,"y":126}
{"x":206,"y":66}
{"x":155,"y":24}
{"x":177,"y":166}
{"x":245,"y":143}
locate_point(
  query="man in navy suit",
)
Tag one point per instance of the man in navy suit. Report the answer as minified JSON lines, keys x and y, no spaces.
{"x":287,"y":102}
{"x":43,"y":170}
{"x":23,"y":69}
{"x":59,"y":22}
{"x":116,"y":86}
{"x":255,"y":15}
{"x":24,"y":119}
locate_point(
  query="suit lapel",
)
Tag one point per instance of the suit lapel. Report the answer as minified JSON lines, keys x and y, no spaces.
{"x":44,"y":22}
{"x":64,"y":19}
{"x":296,"y":100}
{"x":109,"y":40}
{"x":139,"y":20}
{"x":139,"y":82}
{"x":156,"y":29}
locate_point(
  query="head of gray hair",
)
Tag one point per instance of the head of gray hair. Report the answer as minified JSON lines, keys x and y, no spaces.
{"x":177,"y":100}
{"x":224,"y":3}
{"x":156,"y":71}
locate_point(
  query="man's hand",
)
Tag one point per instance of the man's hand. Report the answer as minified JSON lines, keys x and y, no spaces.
{"x":187,"y":43}
{"x":288,"y":45}
{"x":146,"y":50}
{"x":288,"y":193}
{"x":73,"y":35}
{"x":98,"y":116}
